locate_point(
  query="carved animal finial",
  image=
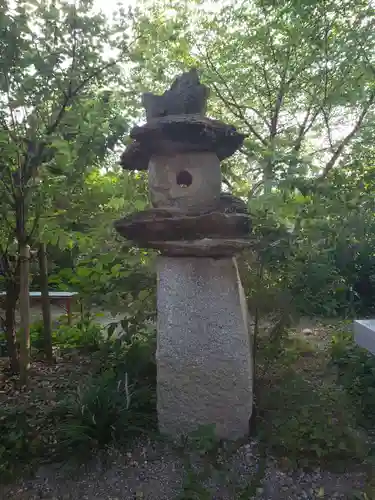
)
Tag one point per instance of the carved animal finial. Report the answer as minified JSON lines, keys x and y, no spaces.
{"x":187,"y":96}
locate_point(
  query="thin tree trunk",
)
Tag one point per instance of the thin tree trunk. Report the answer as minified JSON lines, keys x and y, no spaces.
{"x":10,"y":325}
{"x":24,"y":314}
{"x":268,"y":179}
{"x":46,"y":305}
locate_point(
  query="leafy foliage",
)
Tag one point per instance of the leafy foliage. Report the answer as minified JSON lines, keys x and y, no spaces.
{"x":18,"y":441}
{"x":282,"y":77}
{"x":107,"y":409}
{"x":305,"y":170}
{"x":56,"y":117}
{"x":119,"y":401}
{"x":313,"y":424}
{"x":304,"y":417}
{"x":84,"y":335}
{"x":356,"y":373}
{"x":114,"y":401}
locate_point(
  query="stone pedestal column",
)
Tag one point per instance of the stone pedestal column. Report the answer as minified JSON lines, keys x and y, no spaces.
{"x":204,"y":359}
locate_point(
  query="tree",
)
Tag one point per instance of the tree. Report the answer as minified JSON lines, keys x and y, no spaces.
{"x":289,"y":74}
{"x":56,"y":97}
{"x":46,"y":309}
{"x":298,"y":69}
{"x":102,"y":267}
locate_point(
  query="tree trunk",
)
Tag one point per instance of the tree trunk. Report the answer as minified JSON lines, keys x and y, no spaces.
{"x":24,"y":313}
{"x":268,"y":178}
{"x":12,"y":292}
{"x":46,"y":305}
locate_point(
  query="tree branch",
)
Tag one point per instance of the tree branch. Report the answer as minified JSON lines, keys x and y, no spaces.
{"x":280,"y":98}
{"x":237,"y":111}
{"x":232,"y":104}
{"x":325,"y":113}
{"x":304,"y":127}
{"x":255,"y":188}
{"x":347,"y":139}
{"x":269,"y":93}
{"x":225,"y":181}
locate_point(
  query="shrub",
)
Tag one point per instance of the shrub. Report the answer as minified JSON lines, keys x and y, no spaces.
{"x":87,"y":336}
{"x":304,"y":417}
{"x":117,"y":402}
{"x":133,"y":353}
{"x":307,"y":423}
{"x":356,"y":373}
{"x":19,"y":442}
{"x":107,"y":409}
{"x":36,"y":335}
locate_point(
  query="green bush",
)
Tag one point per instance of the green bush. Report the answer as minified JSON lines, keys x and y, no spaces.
{"x":308,"y":423}
{"x":303,"y":416}
{"x":86,"y":335}
{"x":133,"y":354}
{"x":356,"y":373}
{"x":107,"y":409}
{"x":36,"y":335}
{"x":316,"y":242}
{"x":117,"y":402}
{"x":19,"y":442}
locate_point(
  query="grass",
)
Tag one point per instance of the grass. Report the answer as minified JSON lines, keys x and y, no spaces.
{"x":305,"y":417}
{"x":107,"y":409}
{"x":355,"y":369}
{"x":29,"y":418}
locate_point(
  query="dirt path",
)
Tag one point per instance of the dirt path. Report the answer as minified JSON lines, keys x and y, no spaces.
{"x":155,"y":471}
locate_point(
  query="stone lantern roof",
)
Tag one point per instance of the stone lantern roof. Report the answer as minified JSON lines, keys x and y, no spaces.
{"x":176,"y":122}
{"x":179,"y":134}
{"x":181,"y":148}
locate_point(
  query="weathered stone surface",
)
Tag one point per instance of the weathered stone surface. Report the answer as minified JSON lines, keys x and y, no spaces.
{"x":190,"y":181}
{"x":206,"y":247}
{"x":186,"y":96}
{"x":135,"y":157}
{"x":174,"y":134}
{"x":231,"y":204}
{"x":171,"y":135}
{"x":204,"y":360}
{"x":161,"y":225}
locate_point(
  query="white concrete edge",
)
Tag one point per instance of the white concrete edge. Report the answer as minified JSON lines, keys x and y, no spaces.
{"x":364,"y":334}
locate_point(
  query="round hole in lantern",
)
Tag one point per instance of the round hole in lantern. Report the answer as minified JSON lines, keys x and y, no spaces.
{"x":184,"y":179}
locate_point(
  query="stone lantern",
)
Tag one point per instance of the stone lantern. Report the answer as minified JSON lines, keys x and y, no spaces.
{"x":204,"y":358}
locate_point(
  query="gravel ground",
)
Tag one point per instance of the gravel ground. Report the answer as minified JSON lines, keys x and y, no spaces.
{"x":160,"y":472}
